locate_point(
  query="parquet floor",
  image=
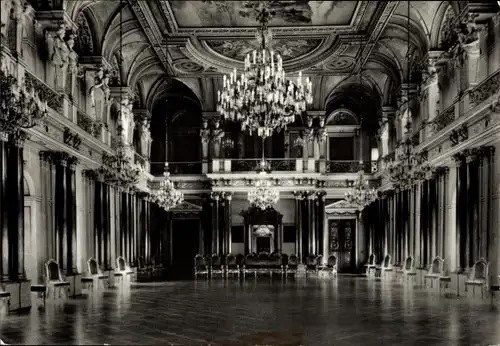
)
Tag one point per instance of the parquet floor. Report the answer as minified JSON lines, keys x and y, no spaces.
{"x":346,"y":311}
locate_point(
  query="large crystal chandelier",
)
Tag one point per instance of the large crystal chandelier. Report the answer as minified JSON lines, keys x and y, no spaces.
{"x":119,"y":170}
{"x":167,"y":196}
{"x":261,"y":98}
{"x":20,"y":107}
{"x":263,"y":196}
{"x":360,"y":193}
{"x":409,"y":168}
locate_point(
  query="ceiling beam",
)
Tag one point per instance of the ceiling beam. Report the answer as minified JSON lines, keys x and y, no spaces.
{"x":387,"y":9}
{"x":146,"y":19}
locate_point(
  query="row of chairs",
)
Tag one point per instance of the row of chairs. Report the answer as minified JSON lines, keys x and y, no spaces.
{"x":238,"y":264}
{"x":57,"y":287}
{"x":436,"y":275}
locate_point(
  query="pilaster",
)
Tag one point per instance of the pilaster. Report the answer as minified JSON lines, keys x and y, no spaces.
{"x":494,"y":227}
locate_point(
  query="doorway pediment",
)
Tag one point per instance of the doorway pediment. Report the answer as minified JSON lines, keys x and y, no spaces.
{"x":341,"y":208}
{"x":186,"y":207}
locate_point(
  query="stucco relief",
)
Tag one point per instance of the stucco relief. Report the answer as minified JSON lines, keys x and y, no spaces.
{"x":194,"y":14}
{"x":288,"y":48}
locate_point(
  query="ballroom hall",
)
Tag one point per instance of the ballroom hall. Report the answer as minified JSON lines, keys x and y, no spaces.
{"x":249,"y":172}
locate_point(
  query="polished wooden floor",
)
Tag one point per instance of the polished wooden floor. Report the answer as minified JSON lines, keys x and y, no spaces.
{"x":312,"y":311}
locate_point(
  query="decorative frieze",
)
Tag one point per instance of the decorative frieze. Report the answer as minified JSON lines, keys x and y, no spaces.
{"x":486,"y":89}
{"x":444,"y":119}
{"x":459,"y":134}
{"x":89,"y":125}
{"x":71,"y":139}
{"x":45,"y":93}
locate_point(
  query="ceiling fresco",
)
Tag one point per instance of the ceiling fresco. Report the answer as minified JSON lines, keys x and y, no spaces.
{"x":288,"y":48}
{"x":196,"y":42}
{"x":196,"y":14}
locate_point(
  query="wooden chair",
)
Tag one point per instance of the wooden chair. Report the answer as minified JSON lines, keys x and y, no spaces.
{"x":122,"y":270}
{"x":232,"y":265}
{"x":331,"y":265}
{"x":216,"y":266}
{"x":370,"y":267}
{"x":407,"y":270}
{"x":292,"y":265}
{"x":96,"y":278}
{"x":200,"y":266}
{"x":312,"y":264}
{"x":436,"y":273}
{"x":55,"y":285}
{"x":478,"y":277}
{"x":385,"y":268}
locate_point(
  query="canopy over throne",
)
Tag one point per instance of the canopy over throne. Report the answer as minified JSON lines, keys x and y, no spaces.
{"x":254,"y":217}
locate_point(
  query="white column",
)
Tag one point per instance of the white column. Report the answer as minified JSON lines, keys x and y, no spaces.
{"x":451,"y":254}
{"x":418,"y":229}
{"x":81,"y":229}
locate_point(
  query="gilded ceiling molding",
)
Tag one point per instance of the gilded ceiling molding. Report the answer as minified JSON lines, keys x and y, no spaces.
{"x":381,"y":22}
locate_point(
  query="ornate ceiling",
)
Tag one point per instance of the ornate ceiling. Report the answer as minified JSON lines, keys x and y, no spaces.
{"x":195,"y":42}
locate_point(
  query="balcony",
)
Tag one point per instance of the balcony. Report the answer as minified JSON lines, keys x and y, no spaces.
{"x":282,"y":165}
{"x":249,"y":165}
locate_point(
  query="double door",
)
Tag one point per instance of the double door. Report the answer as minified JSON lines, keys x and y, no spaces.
{"x":341,"y":243}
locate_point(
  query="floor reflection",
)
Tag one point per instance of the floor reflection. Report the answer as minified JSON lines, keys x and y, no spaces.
{"x":309,"y":311}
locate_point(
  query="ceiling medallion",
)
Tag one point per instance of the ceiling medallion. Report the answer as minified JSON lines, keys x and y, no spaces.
{"x":262,"y":99}
{"x":187,"y":66}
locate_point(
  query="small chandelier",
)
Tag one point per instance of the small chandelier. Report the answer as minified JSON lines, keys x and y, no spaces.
{"x":119,"y":170}
{"x":263,"y":196}
{"x":167,"y":196}
{"x":360,"y":193}
{"x":20,"y":107}
{"x":262,"y":99}
{"x":409,"y":168}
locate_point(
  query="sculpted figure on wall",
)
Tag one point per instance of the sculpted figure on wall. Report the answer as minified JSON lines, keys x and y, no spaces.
{"x":384,"y":138}
{"x":59,"y":57}
{"x":205,"y":138}
{"x":126,"y":122}
{"x":309,"y":137}
{"x":101,"y":81}
{"x":321,"y":137}
{"x":216,"y":138}
{"x":72,"y":56}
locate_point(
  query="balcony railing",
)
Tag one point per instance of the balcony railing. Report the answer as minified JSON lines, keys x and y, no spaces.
{"x":193,"y":167}
{"x":248,"y":165}
{"x":138,"y":159}
{"x":343,"y":166}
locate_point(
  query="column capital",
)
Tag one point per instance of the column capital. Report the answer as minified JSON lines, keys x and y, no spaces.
{"x":215,"y":196}
{"x":472,"y":154}
{"x":487,"y":151}
{"x":311,"y":195}
{"x":72,"y":162}
{"x":458,"y":159}
{"x":228,"y":196}
{"x":299,"y":195}
{"x":19,"y":138}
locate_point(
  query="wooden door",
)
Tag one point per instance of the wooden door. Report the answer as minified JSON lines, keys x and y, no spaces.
{"x":342,"y":242}
{"x":185,"y":244}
